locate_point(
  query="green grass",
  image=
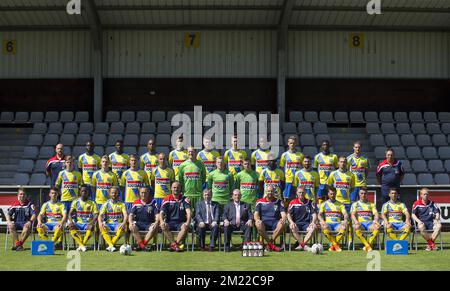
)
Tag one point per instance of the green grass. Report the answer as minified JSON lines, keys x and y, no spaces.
{"x":215,"y":261}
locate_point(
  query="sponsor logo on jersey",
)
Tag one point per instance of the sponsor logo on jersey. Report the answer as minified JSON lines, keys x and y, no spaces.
{"x":220,"y":185}
{"x":192,"y":175}
{"x":70,"y":185}
{"x":103,"y":186}
{"x":326,"y":167}
{"x":162,"y":181}
{"x":177,"y":163}
{"x":342,"y":185}
{"x":89,"y":167}
{"x":248,"y":186}
{"x":149,"y":167}
{"x":293,"y":165}
{"x":134,"y":184}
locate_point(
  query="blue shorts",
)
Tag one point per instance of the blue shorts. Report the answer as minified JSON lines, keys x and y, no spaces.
{"x":19,"y":225}
{"x":429,"y":225}
{"x":270,"y":225}
{"x":347,"y":208}
{"x":142,"y":226}
{"x":354,"y":196}
{"x":334,"y":226}
{"x":398,"y":225}
{"x":51,"y":225}
{"x":67,"y":205}
{"x":159,"y":202}
{"x":303,"y":226}
{"x":366,"y":224}
{"x":112,"y":226}
{"x":81,"y":226}
{"x":322,"y":191}
{"x":288,"y":192}
{"x":128,"y":205}
{"x":175,"y":226}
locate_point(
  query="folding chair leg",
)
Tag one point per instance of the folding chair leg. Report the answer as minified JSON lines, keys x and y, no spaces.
{"x":6,"y":238}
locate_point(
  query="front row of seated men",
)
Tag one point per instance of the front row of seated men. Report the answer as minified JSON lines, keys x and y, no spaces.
{"x":175,"y":214}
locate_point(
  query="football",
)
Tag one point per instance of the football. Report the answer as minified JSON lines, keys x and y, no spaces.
{"x":320,"y":249}
{"x":125,"y":250}
{"x":316,"y":249}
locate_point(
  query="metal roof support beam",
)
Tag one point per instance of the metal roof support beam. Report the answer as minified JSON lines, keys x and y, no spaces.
{"x":282,"y":34}
{"x":34,"y":8}
{"x":227,"y":27}
{"x":97,"y":40}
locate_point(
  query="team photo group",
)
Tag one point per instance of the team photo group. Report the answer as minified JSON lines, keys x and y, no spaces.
{"x":99,"y":200}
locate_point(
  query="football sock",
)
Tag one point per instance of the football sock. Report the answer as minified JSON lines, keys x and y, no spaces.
{"x":361,"y":237}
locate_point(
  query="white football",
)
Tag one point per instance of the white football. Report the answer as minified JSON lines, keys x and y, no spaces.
{"x":320,"y":248}
{"x":125,"y":250}
{"x":314,"y":249}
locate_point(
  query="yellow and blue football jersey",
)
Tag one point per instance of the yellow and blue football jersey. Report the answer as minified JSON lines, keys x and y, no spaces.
{"x":85,"y":210}
{"x":344,"y":182}
{"x":103,"y":181}
{"x":358,"y":166}
{"x":88,"y":166}
{"x":364,"y":211}
{"x":119,"y":163}
{"x":333,"y":211}
{"x":68,"y":182}
{"x":163,"y":179}
{"x":133,"y":180}
{"x":325,"y":164}
{"x":394,"y":211}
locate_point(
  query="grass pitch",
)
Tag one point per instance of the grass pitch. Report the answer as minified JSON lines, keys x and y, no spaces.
{"x":215,"y":261}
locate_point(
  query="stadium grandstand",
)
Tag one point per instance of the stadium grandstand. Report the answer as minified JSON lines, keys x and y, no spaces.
{"x":122,"y":69}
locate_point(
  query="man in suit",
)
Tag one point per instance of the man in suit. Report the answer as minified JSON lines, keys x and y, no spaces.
{"x":237,"y":217}
{"x":207,"y":218}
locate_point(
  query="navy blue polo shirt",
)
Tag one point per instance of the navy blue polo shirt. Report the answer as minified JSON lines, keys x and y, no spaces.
{"x":144,"y":213}
{"x":301,"y":212}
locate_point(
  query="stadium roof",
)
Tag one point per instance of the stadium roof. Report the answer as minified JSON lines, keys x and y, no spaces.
{"x":401,"y":15}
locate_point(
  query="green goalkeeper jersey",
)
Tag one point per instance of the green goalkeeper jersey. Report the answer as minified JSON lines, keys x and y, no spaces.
{"x":221,"y":184}
{"x":247,"y":183}
{"x":192,"y":175}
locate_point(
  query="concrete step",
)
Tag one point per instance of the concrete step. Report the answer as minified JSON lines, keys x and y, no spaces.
{"x":7,"y":148}
{"x":349,"y":130}
{"x":9,"y":168}
{"x":11,"y":154}
{"x":9,"y":161}
{"x":12,"y":142}
{"x":7,"y":174}
{"x":7,"y":181}
{"x":348,"y":136}
{"x":21,"y":130}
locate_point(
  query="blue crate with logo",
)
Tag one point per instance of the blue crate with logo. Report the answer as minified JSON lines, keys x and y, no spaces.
{"x":397,"y":247}
{"x":42,"y":248}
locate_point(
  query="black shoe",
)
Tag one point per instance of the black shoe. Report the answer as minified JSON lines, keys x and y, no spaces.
{"x":227,"y":249}
{"x":19,"y":248}
{"x":13,"y":248}
{"x":58,"y":246}
{"x":147,"y":249}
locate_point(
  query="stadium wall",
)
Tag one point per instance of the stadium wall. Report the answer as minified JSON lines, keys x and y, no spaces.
{"x":48,"y":54}
{"x":405,"y":55}
{"x":228,"y":54}
{"x":140,"y":54}
{"x":230,"y":70}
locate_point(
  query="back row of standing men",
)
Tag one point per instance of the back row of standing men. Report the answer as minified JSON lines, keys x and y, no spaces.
{"x":208,"y":169}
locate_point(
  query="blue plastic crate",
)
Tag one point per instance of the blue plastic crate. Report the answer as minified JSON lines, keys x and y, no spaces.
{"x":397,"y":247}
{"x":42,"y":248}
